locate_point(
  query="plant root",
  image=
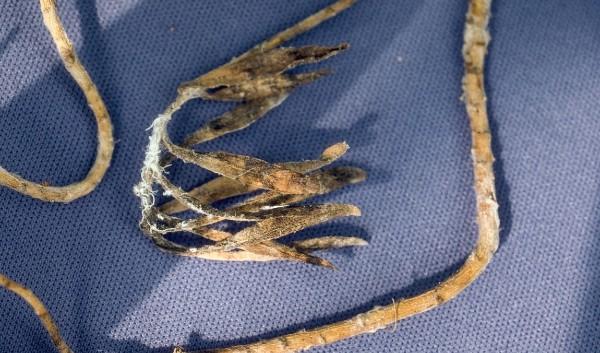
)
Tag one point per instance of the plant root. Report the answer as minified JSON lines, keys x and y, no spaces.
{"x":39,"y":309}
{"x":105,"y":147}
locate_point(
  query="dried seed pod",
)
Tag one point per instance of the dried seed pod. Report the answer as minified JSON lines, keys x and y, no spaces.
{"x":221,"y":188}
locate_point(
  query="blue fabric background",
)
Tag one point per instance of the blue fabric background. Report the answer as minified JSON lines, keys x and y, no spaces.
{"x":395,"y":99}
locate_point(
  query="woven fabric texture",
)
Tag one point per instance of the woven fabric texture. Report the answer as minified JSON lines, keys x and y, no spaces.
{"x":394,"y":97}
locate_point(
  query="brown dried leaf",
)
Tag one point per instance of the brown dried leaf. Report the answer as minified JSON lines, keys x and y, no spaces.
{"x":239,"y":118}
{"x":202,"y":208}
{"x":332,"y":180}
{"x":284,"y":252}
{"x":253,"y":252}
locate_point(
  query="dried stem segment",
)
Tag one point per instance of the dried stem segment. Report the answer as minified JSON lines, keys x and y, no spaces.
{"x":258,"y":80}
{"x":476,"y":38}
{"x":104,"y":151}
{"x":329,"y":242}
{"x":303,"y":26}
{"x":39,"y":309}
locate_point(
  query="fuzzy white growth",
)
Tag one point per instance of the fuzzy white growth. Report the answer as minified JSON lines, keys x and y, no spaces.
{"x":151,"y":164}
{"x":475,"y":33}
{"x":153,"y":150}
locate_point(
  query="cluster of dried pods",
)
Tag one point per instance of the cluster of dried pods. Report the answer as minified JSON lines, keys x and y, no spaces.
{"x":259,"y":80}
{"x":288,"y":183}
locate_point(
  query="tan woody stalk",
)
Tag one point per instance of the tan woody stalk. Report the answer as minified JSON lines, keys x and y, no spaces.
{"x":105,"y":135}
{"x":476,"y":39}
{"x":39,"y":309}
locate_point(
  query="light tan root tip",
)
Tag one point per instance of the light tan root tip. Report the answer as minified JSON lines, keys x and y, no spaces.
{"x":260,"y":81}
{"x":105,"y":132}
{"x":39,"y":309}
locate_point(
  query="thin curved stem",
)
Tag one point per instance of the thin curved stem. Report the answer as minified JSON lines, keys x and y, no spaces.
{"x":301,"y":27}
{"x":39,"y":309}
{"x":476,"y":39}
{"x":105,"y":134}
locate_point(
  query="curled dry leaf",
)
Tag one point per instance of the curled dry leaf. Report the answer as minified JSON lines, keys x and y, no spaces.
{"x":286,"y":221}
{"x":221,"y":188}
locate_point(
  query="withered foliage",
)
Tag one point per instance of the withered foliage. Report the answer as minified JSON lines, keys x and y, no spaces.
{"x":260,"y":81}
{"x":274,"y":212}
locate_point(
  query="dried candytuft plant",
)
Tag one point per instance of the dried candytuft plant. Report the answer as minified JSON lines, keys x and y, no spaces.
{"x":256,"y":242}
{"x":258,"y":79}
{"x":105,"y":148}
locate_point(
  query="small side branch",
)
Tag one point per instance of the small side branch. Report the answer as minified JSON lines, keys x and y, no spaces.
{"x":105,"y":148}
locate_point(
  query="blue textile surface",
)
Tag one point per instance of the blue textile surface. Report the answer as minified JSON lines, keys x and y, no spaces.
{"x":394,"y":98}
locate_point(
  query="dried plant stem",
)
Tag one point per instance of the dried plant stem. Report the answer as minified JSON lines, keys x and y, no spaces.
{"x":105,"y":136}
{"x":39,"y":309}
{"x":476,"y":39}
{"x":301,"y":27}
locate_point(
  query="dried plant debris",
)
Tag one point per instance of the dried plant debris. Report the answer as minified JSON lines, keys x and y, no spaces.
{"x":273,"y":214}
{"x":68,"y":193}
{"x":476,"y":39}
{"x":259,"y":80}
